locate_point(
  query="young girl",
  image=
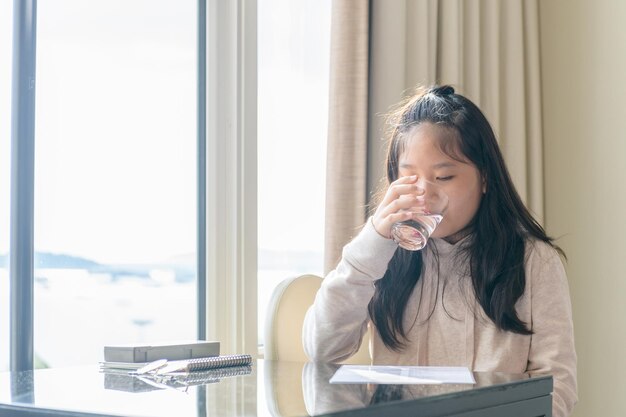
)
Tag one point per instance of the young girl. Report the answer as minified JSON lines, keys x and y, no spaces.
{"x":488,"y":291}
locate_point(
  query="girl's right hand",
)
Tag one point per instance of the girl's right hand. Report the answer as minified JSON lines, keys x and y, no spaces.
{"x":399,"y":198}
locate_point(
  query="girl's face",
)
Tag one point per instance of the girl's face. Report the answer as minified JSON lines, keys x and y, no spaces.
{"x":460,"y":180}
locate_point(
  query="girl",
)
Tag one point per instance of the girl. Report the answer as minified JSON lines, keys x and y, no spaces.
{"x":488,"y":291}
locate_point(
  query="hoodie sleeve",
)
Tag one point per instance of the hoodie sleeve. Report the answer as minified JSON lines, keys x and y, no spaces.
{"x":336,"y":322}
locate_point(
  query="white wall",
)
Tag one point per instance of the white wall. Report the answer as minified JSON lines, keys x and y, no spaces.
{"x":584,"y":107}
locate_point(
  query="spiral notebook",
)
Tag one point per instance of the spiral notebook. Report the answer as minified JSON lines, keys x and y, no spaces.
{"x":204,"y":364}
{"x":164,"y":367}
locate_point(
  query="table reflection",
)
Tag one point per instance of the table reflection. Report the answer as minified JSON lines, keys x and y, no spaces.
{"x":289,"y":389}
{"x":22,"y":387}
{"x":322,"y":397}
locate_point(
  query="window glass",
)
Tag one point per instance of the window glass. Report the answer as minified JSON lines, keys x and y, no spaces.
{"x":293,"y":62}
{"x":6,"y":55}
{"x":115,"y":188}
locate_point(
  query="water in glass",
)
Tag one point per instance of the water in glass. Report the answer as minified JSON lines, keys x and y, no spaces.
{"x":413,"y":234}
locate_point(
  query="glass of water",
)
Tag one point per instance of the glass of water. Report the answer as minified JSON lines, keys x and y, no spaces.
{"x":428,"y":212}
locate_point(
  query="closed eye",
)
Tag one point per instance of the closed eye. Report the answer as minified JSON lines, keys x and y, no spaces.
{"x":448,"y":178}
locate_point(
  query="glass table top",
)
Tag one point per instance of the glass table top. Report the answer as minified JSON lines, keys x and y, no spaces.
{"x":268,"y":388}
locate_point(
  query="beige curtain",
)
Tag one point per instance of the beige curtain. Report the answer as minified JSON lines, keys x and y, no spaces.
{"x":487,"y":49}
{"x":347,"y":126}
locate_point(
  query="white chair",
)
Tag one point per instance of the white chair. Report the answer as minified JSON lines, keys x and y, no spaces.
{"x":283,"y":341}
{"x":283,"y":327}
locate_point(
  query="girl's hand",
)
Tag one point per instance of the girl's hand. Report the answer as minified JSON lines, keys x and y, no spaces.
{"x":399,"y":198}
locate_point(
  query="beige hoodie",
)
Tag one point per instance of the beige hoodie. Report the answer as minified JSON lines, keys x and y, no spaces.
{"x":453,"y":335}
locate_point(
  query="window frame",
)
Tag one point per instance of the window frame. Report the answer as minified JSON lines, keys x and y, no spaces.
{"x":22,"y":186}
{"x":231,"y":157}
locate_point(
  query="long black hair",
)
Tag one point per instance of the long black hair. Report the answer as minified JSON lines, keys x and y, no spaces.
{"x":499,"y":229}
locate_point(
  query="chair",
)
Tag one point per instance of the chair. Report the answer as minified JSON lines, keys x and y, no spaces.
{"x":283,"y":327}
{"x":283,"y":341}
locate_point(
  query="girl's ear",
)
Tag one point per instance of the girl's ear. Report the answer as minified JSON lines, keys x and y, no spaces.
{"x":484,"y":185}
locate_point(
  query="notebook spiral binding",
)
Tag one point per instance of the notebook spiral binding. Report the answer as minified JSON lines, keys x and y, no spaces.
{"x":214,"y":375}
{"x":202,"y":364}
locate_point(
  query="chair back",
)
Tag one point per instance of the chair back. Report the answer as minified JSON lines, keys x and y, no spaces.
{"x":283,"y":328}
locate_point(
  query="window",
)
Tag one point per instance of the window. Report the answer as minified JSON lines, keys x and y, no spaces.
{"x":115,"y":185}
{"x":6,"y":42}
{"x":294,"y":50}
{"x":116,"y":182}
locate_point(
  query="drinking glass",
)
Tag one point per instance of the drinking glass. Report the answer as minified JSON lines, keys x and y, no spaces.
{"x":428,"y":212}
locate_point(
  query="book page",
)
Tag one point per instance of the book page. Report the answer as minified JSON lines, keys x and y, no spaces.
{"x":376,"y":374}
